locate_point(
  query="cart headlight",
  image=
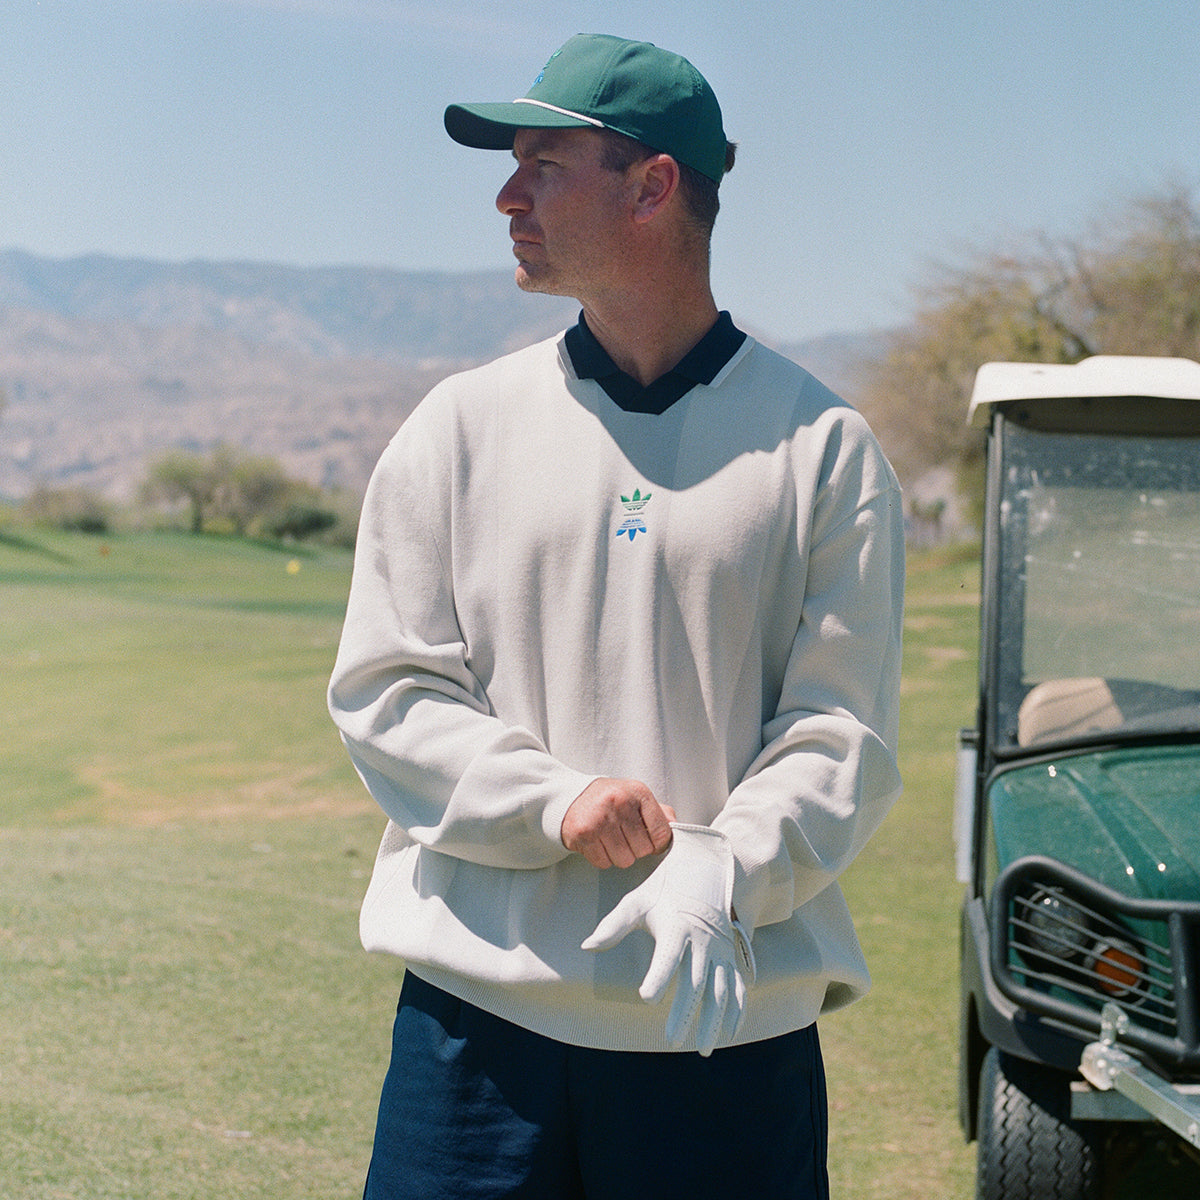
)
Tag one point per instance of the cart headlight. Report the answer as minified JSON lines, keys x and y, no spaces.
{"x":1056,"y":926}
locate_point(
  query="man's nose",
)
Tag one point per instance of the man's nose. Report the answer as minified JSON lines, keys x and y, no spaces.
{"x":514,"y":196}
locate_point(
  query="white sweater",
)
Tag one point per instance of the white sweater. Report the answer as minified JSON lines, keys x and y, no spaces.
{"x":548,"y":589}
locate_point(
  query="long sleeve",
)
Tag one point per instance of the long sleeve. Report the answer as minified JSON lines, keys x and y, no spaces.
{"x":826,"y":775}
{"x":415,"y":719}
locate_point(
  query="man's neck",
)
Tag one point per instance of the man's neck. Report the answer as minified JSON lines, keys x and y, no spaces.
{"x":648,"y":335}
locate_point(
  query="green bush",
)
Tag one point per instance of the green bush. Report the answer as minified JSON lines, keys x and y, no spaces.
{"x":75,"y":510}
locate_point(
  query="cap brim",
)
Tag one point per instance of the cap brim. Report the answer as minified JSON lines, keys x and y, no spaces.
{"x":493,"y":126}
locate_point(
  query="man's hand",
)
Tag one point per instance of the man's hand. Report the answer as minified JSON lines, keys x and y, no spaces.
{"x":686,"y":905}
{"x":614,"y":822}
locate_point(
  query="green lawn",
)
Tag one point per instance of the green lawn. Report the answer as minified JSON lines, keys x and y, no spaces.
{"x":184,"y":1008}
{"x":892,"y":1059}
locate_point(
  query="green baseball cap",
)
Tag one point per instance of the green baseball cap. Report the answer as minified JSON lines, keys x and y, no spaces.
{"x":603,"y":82}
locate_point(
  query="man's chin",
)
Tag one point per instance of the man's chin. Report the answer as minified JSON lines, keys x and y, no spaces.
{"x":525,"y":281}
{"x":535,"y":281}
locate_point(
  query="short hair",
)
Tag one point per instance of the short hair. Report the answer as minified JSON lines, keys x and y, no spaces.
{"x":699,"y":193}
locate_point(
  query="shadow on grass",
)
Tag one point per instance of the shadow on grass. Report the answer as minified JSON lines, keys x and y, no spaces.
{"x":22,"y":543}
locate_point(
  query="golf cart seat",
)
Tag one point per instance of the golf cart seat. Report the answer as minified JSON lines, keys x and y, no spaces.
{"x":1066,"y":708}
{"x":1061,"y":709}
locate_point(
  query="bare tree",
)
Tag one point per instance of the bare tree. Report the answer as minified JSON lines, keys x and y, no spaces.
{"x":1131,"y":286}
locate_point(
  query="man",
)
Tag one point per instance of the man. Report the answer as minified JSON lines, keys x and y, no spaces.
{"x":620,"y":664}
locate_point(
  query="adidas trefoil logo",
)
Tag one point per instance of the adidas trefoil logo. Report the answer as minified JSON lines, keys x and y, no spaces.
{"x":634,"y":523}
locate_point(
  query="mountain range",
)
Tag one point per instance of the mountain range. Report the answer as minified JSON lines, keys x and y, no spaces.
{"x":105,"y":363}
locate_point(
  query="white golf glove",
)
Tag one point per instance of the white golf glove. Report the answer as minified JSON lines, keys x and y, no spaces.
{"x":686,"y":906}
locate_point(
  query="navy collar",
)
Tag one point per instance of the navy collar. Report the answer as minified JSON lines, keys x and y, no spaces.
{"x":701,"y":364}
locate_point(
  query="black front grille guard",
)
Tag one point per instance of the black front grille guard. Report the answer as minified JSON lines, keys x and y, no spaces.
{"x":1047,"y":921}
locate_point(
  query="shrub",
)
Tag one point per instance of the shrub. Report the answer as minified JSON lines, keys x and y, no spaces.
{"x":76,"y":509}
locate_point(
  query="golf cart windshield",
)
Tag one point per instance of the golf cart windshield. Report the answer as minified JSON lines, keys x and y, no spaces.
{"x":1099,"y":598}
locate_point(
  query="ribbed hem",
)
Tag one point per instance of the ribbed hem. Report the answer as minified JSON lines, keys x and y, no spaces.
{"x":602,"y":1024}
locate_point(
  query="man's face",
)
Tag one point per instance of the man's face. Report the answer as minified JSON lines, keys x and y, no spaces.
{"x":568,"y":214}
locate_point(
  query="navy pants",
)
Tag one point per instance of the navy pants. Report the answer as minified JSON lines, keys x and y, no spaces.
{"x":476,"y":1108}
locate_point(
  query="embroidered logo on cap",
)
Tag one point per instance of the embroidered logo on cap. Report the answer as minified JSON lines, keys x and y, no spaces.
{"x":542,"y":72}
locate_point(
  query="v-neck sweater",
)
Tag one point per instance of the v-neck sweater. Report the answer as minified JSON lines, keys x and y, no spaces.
{"x":547,"y":589}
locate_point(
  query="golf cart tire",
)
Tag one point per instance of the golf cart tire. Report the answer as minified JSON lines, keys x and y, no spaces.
{"x":1029,"y":1149}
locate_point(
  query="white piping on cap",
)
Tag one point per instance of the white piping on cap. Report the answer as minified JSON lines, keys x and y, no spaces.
{"x":566,"y":112}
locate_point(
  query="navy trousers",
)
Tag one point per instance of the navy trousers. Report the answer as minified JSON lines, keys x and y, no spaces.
{"x":476,"y":1108}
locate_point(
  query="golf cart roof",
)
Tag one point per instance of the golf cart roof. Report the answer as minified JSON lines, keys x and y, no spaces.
{"x":1102,"y":376}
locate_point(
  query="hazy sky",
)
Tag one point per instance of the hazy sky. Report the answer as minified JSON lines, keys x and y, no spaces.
{"x":875,"y":136}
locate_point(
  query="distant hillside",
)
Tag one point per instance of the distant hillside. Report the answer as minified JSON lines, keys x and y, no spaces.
{"x":107,"y":362}
{"x":328,"y":312}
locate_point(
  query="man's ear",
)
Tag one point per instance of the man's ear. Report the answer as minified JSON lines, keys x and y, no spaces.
{"x":658,"y":181}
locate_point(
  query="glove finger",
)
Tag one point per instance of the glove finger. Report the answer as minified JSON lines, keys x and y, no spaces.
{"x":688,"y":999}
{"x":713,"y":1004}
{"x":664,"y":963}
{"x":623,"y":920}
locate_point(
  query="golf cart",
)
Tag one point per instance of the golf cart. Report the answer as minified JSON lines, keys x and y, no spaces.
{"x":1077,"y":806}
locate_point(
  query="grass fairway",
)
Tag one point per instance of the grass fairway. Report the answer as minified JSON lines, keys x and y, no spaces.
{"x":184,"y":1008}
{"x":892,"y":1059}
